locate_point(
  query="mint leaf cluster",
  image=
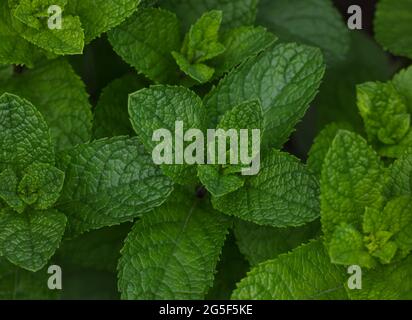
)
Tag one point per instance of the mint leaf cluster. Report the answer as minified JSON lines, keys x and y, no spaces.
{"x":91,"y":182}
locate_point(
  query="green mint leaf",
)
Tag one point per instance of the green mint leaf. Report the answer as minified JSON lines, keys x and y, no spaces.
{"x":172,"y":253}
{"x":108,"y":182}
{"x":169,"y":104}
{"x":402,"y":82}
{"x":99,"y":16}
{"x":35,"y":237}
{"x":392,"y":282}
{"x":241,"y":44}
{"x":400,"y":176}
{"x":384,"y":112}
{"x":64,"y":105}
{"x":30,"y":21}
{"x":261,"y":243}
{"x":111,"y":117}
{"x":313,"y":22}
{"x":197,"y":71}
{"x":236,"y":13}
{"x":8,"y":190}
{"x":303,"y":274}
{"x":393,"y":223}
{"x":284,"y":193}
{"x":146,"y":40}
{"x":24,"y":135}
{"x":321,"y":145}
{"x":346,"y":247}
{"x":202,"y":41}
{"x":276,"y":74}
{"x":352,"y":179}
{"x":41,"y":185}
{"x":216,"y":182}
{"x":13,"y":48}
{"x":393,"y":26}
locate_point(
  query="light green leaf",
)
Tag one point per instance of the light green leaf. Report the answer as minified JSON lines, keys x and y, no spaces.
{"x":41,"y":185}
{"x":403,"y":83}
{"x":108,"y":182}
{"x":30,"y":20}
{"x":393,"y":282}
{"x":352,"y":179}
{"x":24,"y":135}
{"x":28,"y":240}
{"x":99,"y":16}
{"x":202,"y":41}
{"x":303,"y":274}
{"x":284,"y":193}
{"x":346,"y":247}
{"x":393,"y":223}
{"x":172,"y":253}
{"x":321,"y":145}
{"x":241,"y":44}
{"x":197,"y":71}
{"x":236,"y":13}
{"x":393,"y":27}
{"x":146,"y":40}
{"x":261,"y":243}
{"x":169,"y":104}
{"x":64,"y":105}
{"x":313,"y":22}
{"x":285,"y":80}
{"x":384,"y":112}
{"x":111,"y":116}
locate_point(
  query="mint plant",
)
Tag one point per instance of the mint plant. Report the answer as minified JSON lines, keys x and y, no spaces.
{"x":91,"y":183}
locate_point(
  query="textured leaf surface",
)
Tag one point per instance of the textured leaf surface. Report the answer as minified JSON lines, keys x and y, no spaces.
{"x":146,"y":40}
{"x":172,"y":253}
{"x":241,"y":43}
{"x":261,"y":243}
{"x":41,"y":185}
{"x":99,"y":16}
{"x":236,"y":13}
{"x":159,"y":107}
{"x":321,"y":145}
{"x":403,"y":82}
{"x":304,"y":274}
{"x":31,"y":238}
{"x":400,"y":176}
{"x":108,"y":182}
{"x":351,"y":180}
{"x":111,"y":117}
{"x":29,"y":19}
{"x":216,"y":182}
{"x":284,"y":193}
{"x":64,"y":105}
{"x":393,"y":26}
{"x":285,"y":79}
{"x":24,"y":135}
{"x":393,"y":282}
{"x":13,"y":48}
{"x":313,"y":22}
{"x":8,"y":190}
